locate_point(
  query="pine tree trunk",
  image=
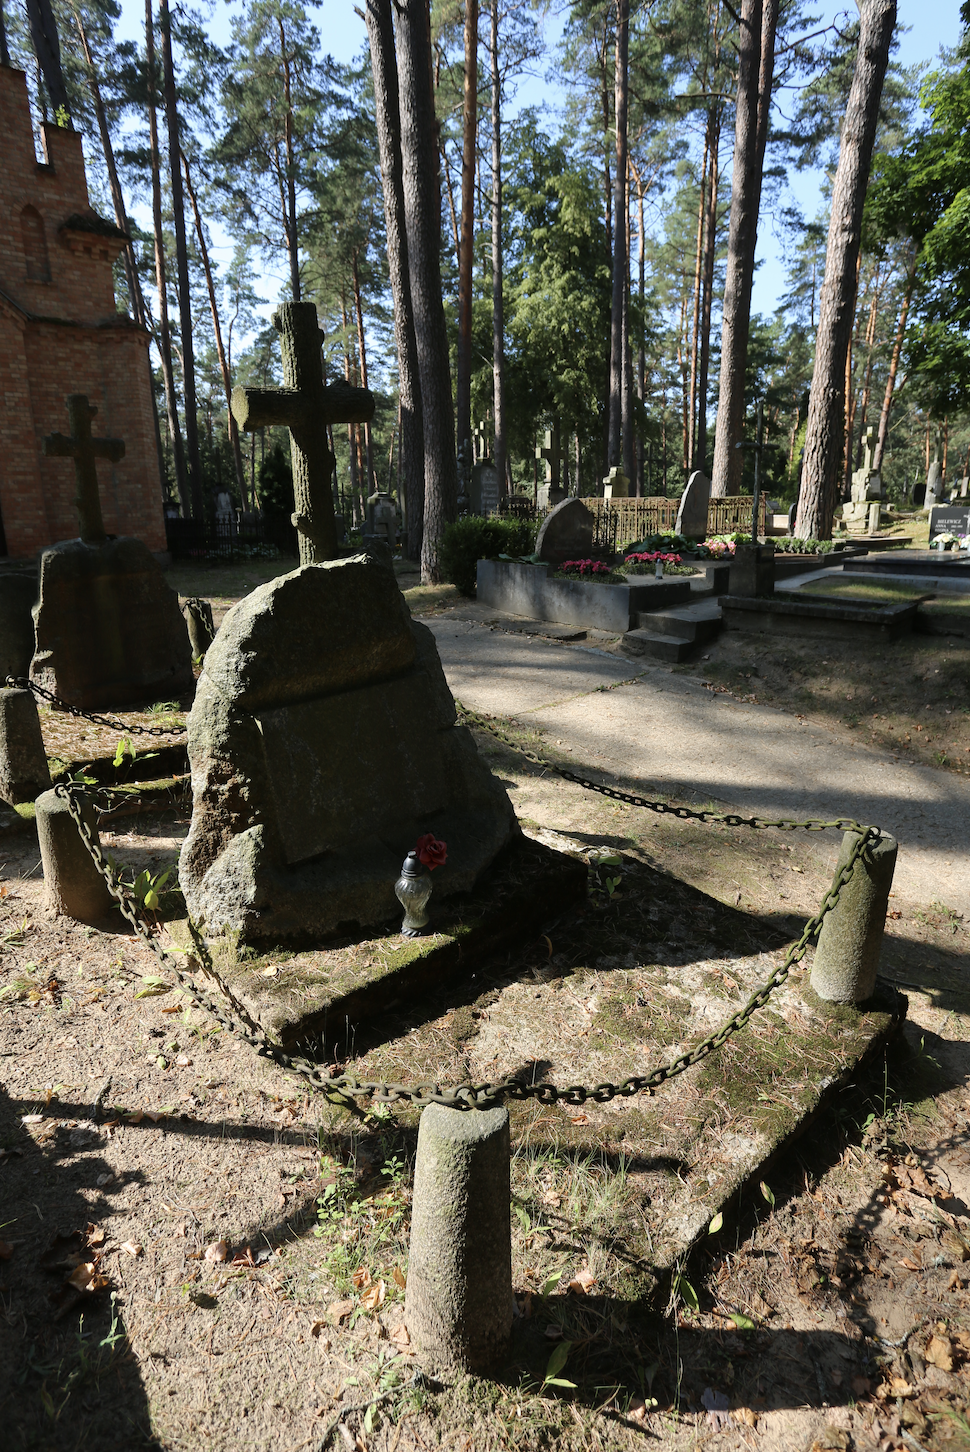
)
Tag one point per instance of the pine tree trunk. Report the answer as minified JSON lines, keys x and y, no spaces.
{"x":182,"y":264}
{"x":755,"y":73}
{"x":362,"y":353}
{"x":380,"y":30}
{"x":620,"y":267}
{"x":463,"y":371}
{"x":710,"y":257}
{"x":164,"y":326}
{"x":422,"y":208}
{"x":887,"y":400}
{"x":826,"y":404}
{"x":498,"y":303}
{"x":217,"y":331}
{"x":698,"y":289}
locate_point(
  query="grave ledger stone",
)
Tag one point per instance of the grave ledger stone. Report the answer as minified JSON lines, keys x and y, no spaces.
{"x":323,"y":743}
{"x":108,"y":629}
{"x":305,"y":405}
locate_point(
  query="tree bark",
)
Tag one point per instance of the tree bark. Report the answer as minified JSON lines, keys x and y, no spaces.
{"x":698,"y":290}
{"x":463,"y":372}
{"x":182,"y":264}
{"x":47,"y":48}
{"x":164,"y":326}
{"x":217,"y":331}
{"x":755,"y":74}
{"x":826,"y":404}
{"x":362,"y":354}
{"x":422,"y":209}
{"x":292,"y":240}
{"x":887,"y":399}
{"x":620,"y":232}
{"x":380,"y":30}
{"x":498,"y":301}
{"x":710,"y":258}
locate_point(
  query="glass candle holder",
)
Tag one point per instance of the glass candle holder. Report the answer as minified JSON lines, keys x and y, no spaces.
{"x":412,"y":890}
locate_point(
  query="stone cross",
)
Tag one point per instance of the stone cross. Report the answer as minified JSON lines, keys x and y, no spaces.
{"x":869,"y":449}
{"x":84,"y":450}
{"x":549,"y":451}
{"x":305,"y":405}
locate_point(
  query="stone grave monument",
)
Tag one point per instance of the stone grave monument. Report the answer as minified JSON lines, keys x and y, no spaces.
{"x":323,"y":743}
{"x":108,"y":628}
{"x":616,"y":485}
{"x":485,"y":490}
{"x":693,"y":507}
{"x":305,"y":405}
{"x":550,"y":492}
{"x":382,"y":518}
{"x":934,"y":485}
{"x":861,"y":514}
{"x":566,"y":533}
{"x":322,"y":740}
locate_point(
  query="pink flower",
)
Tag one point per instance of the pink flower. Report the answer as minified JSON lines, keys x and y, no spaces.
{"x":431,"y":852}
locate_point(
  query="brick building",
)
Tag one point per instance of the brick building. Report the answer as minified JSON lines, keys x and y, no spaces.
{"x":61,"y":333}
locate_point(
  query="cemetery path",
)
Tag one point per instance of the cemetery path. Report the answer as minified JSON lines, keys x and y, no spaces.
{"x":666,"y":733}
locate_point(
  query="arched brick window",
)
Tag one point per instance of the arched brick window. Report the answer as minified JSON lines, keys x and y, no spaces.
{"x":35,"y":245}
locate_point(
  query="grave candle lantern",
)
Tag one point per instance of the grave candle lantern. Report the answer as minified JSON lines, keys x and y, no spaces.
{"x":412,"y":890}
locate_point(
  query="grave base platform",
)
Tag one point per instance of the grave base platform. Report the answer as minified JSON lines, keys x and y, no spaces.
{"x":817,"y":616}
{"x":324,"y":993}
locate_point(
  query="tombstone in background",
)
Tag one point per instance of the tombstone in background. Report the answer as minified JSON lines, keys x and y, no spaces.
{"x":550,"y":493}
{"x":485,"y":491}
{"x":566,"y":533}
{"x":861,"y":513}
{"x":616,"y":485}
{"x":108,"y":629}
{"x":382,"y":518}
{"x":962,"y":487}
{"x":949,"y":519}
{"x":323,"y":744}
{"x":693,"y":507}
{"x":934,"y":486}
{"x":17,"y":595}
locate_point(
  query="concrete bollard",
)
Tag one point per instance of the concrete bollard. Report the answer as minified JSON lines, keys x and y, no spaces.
{"x":458,"y":1305}
{"x":847,"y":955}
{"x":72,"y":883}
{"x":23,"y":760}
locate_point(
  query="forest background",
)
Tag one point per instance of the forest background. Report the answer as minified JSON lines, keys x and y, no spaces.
{"x":582,"y":238}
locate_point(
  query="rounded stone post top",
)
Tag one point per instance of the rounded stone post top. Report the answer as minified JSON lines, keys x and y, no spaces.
{"x":847,"y":956}
{"x":458,"y":1305}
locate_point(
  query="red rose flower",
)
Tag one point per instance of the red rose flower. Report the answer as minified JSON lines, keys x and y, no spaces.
{"x":431,"y":852}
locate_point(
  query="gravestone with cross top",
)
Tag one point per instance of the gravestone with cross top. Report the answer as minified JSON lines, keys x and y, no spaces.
{"x":85,"y":450}
{"x":305,"y":405}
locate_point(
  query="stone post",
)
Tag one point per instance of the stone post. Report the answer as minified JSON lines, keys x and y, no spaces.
{"x":23,"y":760}
{"x":458,"y":1305}
{"x":847,"y":955}
{"x":72,"y":883}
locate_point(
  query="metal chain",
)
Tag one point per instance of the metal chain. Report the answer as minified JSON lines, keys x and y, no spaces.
{"x":469,"y":1096}
{"x":730,"y":819}
{"x":21,"y":683}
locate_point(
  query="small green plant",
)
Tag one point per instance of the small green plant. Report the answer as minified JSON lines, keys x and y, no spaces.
{"x":556,"y":1363}
{"x":362,"y":1229}
{"x":147,"y":888}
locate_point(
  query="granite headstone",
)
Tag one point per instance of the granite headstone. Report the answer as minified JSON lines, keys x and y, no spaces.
{"x":693,"y":507}
{"x":566,"y":533}
{"x":323,"y":743}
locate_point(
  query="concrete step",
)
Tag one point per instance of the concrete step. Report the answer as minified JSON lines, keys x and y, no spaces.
{"x":642,"y":643}
{"x":694,"y":623}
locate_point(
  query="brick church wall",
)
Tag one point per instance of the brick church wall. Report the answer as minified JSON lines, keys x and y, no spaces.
{"x":61,"y":333}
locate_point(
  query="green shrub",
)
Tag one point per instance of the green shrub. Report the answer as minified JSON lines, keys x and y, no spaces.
{"x":473,"y":538}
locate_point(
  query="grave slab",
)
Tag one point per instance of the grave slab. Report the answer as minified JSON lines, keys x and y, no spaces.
{"x":531,"y":590}
{"x":627,"y":989}
{"x":328,"y":992}
{"x":858,"y":621}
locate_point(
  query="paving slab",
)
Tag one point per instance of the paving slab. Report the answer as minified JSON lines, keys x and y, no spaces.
{"x":667,"y":734}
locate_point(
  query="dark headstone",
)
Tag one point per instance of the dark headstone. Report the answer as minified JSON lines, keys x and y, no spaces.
{"x":753,"y":570}
{"x":323,"y":744}
{"x":934,"y":484}
{"x":949,"y":519}
{"x":109,"y":631}
{"x":17,"y":596}
{"x":694,"y":503}
{"x":566,"y":533}
{"x":485,"y":491}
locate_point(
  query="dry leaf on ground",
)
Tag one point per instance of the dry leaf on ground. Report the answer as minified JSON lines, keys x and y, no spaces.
{"x":217,"y":1252}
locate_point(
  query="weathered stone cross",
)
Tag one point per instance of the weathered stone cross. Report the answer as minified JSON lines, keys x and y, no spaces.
{"x":84,"y":450}
{"x":305,"y":405}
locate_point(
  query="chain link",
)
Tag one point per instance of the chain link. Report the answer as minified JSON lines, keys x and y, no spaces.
{"x":21,"y":683}
{"x":345,"y":1085}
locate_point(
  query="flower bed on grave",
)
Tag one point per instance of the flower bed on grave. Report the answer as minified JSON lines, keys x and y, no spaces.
{"x":592,"y":599}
